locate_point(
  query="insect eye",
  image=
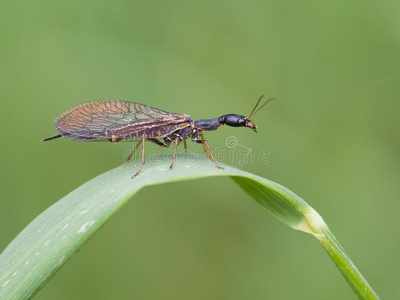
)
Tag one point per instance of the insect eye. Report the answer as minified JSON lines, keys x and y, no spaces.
{"x":242,"y":122}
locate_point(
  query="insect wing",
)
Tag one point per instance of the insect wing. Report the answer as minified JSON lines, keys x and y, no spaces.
{"x":98,"y":120}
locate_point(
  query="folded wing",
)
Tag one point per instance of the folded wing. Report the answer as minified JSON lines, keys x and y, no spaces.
{"x":117,"y":120}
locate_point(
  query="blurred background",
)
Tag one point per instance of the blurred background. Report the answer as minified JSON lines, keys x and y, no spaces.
{"x":332,"y":136}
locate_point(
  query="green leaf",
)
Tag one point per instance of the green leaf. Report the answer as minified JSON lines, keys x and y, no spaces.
{"x":47,"y":243}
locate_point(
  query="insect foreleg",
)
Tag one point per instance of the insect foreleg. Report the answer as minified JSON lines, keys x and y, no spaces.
{"x":204,"y":145}
{"x":212,"y":156}
{"x":195,"y":138}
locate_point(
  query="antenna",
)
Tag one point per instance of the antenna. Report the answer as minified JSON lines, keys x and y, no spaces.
{"x":254,"y":111}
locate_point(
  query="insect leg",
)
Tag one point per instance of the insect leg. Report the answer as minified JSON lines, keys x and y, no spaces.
{"x":204,"y":146}
{"x":132,"y":152}
{"x":184,"y":144}
{"x":143,"y":141}
{"x":157,"y":142}
{"x":204,"y":142}
{"x":177,"y":140}
{"x":212,"y":156}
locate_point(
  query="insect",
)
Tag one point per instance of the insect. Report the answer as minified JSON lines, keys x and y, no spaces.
{"x":119,"y":120}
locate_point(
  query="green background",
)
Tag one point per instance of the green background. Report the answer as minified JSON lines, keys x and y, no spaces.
{"x":332,"y":136}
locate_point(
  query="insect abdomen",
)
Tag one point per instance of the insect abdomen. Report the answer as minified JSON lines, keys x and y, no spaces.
{"x":153,"y":131}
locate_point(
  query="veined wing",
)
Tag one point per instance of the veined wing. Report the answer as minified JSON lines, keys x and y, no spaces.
{"x":99,"y":120}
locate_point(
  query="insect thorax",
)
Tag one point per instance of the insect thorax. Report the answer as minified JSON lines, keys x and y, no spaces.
{"x":207,"y":124}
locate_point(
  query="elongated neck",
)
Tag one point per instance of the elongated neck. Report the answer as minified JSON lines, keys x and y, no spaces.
{"x":207,"y":124}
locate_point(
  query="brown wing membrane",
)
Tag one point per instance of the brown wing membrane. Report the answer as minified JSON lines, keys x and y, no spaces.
{"x":116,"y":120}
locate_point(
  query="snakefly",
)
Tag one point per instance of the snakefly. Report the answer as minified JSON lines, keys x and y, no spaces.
{"x":119,"y":120}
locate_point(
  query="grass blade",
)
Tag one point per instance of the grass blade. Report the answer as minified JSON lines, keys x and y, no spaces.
{"x":36,"y":254}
